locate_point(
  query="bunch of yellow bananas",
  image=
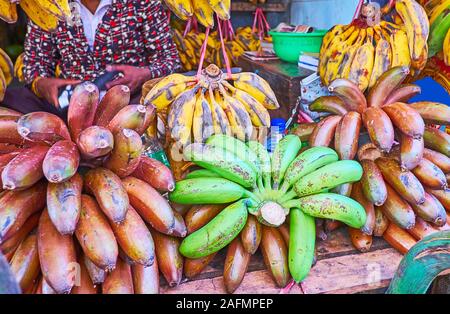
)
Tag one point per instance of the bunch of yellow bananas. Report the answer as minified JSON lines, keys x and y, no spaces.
{"x":189,"y":47}
{"x":200,"y":107}
{"x":362,"y":53}
{"x":203,"y":10}
{"x":44,"y":13}
{"x":6,"y":72}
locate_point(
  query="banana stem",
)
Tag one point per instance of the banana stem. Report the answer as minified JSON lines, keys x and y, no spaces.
{"x":253,"y":196}
{"x":288,"y":196}
{"x":293,"y":203}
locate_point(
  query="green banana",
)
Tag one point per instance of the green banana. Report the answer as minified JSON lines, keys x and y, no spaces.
{"x":438,"y":32}
{"x":207,"y":191}
{"x":218,"y":233}
{"x":334,"y":207}
{"x":264,"y":161}
{"x":202,"y":173}
{"x":222,"y":162}
{"x":328,"y":177}
{"x":424,"y":262}
{"x":285,"y":152}
{"x":307,"y":162}
{"x":236,"y":147}
{"x":302,"y":238}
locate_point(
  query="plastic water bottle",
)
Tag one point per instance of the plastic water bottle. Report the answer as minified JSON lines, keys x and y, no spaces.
{"x":153,"y":149}
{"x":277,"y":129}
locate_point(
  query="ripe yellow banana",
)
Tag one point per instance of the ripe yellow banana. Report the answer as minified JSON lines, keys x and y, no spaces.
{"x":446,"y":48}
{"x":18,"y":68}
{"x":41,"y":18}
{"x":344,"y":68}
{"x":182,"y":8}
{"x":202,"y":124}
{"x":257,"y":87}
{"x":57,"y":8}
{"x":337,"y":57}
{"x":203,"y":12}
{"x":183,"y":117}
{"x":6,"y":66}
{"x":222,"y":8}
{"x":362,"y":65}
{"x":235,"y":123}
{"x":417,"y":28}
{"x":222,"y":125}
{"x":383,"y":58}
{"x":399,"y":44}
{"x":327,"y":40}
{"x":166,"y":90}
{"x":2,"y":86}
{"x":258,"y":114}
{"x":8,"y":11}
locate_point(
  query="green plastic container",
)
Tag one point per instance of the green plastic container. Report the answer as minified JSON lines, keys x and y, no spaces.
{"x":288,"y":46}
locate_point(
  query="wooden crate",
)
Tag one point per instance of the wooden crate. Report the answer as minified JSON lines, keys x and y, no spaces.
{"x":340,"y":269}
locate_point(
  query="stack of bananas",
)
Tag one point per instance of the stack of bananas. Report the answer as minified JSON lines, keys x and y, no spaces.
{"x":6,"y":72}
{"x":361,"y":53}
{"x":189,"y":47}
{"x":439,"y":41}
{"x":388,"y":120}
{"x":44,"y":13}
{"x":263,"y":190}
{"x":203,"y":10}
{"x":200,"y":107}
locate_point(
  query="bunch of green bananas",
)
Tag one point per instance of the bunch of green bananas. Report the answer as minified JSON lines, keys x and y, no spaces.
{"x":361,"y":53}
{"x":203,"y":10}
{"x":439,"y":15}
{"x":189,"y":47}
{"x":269,"y":188}
{"x":200,"y":107}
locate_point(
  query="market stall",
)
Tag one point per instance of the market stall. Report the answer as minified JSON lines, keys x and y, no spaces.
{"x":202,"y":188}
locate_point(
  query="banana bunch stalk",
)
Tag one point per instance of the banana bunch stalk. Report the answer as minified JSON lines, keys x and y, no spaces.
{"x":263,"y":190}
{"x":6,"y":72}
{"x":80,"y":201}
{"x":189,"y":47}
{"x":200,"y":107}
{"x":203,"y":10}
{"x":44,"y":13}
{"x":362,"y":51}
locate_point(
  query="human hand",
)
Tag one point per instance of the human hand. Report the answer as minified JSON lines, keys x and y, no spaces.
{"x":133,"y":77}
{"x":48,"y":88}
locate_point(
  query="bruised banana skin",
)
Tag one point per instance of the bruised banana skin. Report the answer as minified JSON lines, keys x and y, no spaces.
{"x":301,"y":244}
{"x":398,"y":210}
{"x":257,"y":87}
{"x":206,"y":191}
{"x":433,"y":112}
{"x":372,"y":183}
{"x":405,"y":119}
{"x":219,"y":232}
{"x":222,"y":162}
{"x":411,"y":151}
{"x":431,"y":210}
{"x":335,"y":207}
{"x":328,"y":177}
{"x":307,"y":162}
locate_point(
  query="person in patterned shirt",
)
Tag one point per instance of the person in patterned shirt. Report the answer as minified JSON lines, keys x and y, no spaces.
{"x":129,"y":36}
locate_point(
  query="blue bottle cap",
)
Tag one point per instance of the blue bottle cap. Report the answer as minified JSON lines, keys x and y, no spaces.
{"x":279,"y":122}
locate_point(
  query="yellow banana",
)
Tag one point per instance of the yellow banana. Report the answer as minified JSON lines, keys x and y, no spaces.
{"x":202,"y":124}
{"x":183,"y":117}
{"x":222,"y":8}
{"x":382,"y":63}
{"x":399,"y":45}
{"x":18,"y":68}
{"x":2,"y":86}
{"x":8,"y":11}
{"x":336,"y":59}
{"x":166,"y":90}
{"x":346,"y":64}
{"x":6,"y":66}
{"x":219,"y":116}
{"x":437,"y":9}
{"x":182,"y":8}
{"x":236,"y":127}
{"x":58,"y":8}
{"x":446,"y":48}
{"x":257,"y":87}
{"x":257,"y":112}
{"x":203,"y":12}
{"x":362,"y":65}
{"x":41,"y":18}
{"x":417,"y":27}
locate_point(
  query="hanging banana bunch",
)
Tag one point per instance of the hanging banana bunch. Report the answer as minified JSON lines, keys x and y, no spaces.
{"x":203,"y":10}
{"x":212,"y":104}
{"x":366,"y":48}
{"x":44,"y":13}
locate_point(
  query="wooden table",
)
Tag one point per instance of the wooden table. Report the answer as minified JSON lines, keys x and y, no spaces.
{"x":283,"y":77}
{"x":340,"y":269}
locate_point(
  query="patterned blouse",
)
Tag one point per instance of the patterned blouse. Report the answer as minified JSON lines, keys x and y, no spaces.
{"x":132,"y":32}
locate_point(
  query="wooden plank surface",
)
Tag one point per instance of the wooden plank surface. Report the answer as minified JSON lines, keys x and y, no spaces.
{"x":339,"y":269}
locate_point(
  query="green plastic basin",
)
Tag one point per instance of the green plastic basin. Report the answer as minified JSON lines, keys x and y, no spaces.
{"x":288,"y":46}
